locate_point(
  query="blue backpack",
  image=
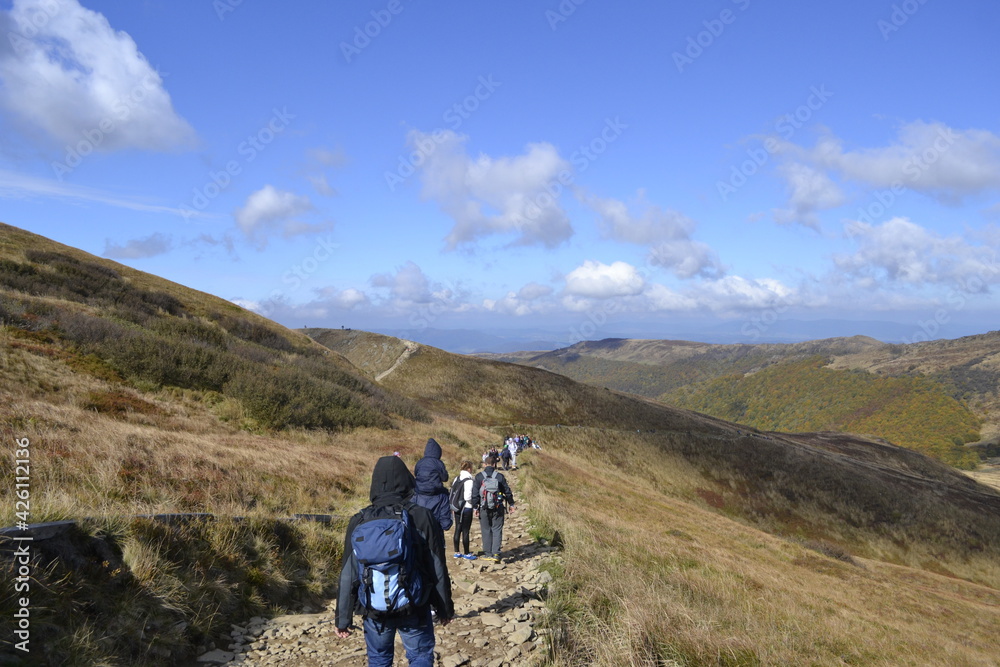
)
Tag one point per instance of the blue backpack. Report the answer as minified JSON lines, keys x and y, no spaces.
{"x":384,"y":548}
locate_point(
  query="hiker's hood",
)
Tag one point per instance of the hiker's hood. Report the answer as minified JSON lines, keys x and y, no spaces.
{"x":391,"y":480}
{"x":432,"y":449}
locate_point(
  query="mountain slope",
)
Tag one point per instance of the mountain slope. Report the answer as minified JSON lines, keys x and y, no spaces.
{"x":779,"y":386}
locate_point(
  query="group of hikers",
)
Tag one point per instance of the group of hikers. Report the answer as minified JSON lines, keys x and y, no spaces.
{"x":511,"y":447}
{"x":394,"y":569}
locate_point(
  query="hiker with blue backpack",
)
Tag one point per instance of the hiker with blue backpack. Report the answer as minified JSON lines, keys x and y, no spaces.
{"x":430,"y":475}
{"x":491,"y":498}
{"x":394,"y":571}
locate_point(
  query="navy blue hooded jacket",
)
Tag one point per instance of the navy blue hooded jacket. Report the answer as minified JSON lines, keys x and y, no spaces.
{"x":431,"y":474}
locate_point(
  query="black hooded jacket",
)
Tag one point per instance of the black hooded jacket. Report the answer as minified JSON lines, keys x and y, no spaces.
{"x":392,"y":484}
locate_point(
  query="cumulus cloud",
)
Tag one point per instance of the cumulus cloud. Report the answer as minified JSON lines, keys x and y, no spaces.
{"x":270,"y":210}
{"x":667,"y":233}
{"x":488,"y":196}
{"x":931,"y":158}
{"x":407,"y":284}
{"x":150,"y":246}
{"x":810,"y":190}
{"x":902,"y":252}
{"x":597,"y":280}
{"x":528,"y":300}
{"x":343,"y":299}
{"x":67,"y":72}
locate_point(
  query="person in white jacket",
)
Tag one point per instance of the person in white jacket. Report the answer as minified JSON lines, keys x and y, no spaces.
{"x":463,"y":518}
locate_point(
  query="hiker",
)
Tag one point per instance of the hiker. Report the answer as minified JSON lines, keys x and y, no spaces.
{"x":392,"y":485}
{"x":513,"y":449}
{"x":490,"y":488}
{"x":505,"y":457}
{"x":431,"y":474}
{"x":463,"y":514}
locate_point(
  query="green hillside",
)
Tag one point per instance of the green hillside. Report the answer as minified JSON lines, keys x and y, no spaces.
{"x":914,"y":412}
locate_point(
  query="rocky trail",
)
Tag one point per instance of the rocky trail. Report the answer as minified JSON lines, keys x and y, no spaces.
{"x":498,"y":607}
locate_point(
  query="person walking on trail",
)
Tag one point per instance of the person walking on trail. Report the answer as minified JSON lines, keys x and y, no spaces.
{"x":491,"y":498}
{"x":424,"y":579}
{"x":463,"y":517}
{"x":431,"y":475}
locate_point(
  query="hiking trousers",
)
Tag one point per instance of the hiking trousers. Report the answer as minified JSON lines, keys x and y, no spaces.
{"x":463,"y":526}
{"x":416,"y":630}
{"x":491,"y":525}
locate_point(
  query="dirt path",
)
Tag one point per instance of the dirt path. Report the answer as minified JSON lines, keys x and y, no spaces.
{"x":496,"y":604}
{"x":411,"y":347}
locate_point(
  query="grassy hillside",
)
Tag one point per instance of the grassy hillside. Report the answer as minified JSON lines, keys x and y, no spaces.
{"x":686,"y":537}
{"x":914,"y":412}
{"x":140,"y":396}
{"x":707,"y":543}
{"x":933,"y":397}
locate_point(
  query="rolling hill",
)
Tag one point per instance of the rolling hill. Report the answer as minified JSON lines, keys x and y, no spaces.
{"x":936,"y":397}
{"x":686,"y":537}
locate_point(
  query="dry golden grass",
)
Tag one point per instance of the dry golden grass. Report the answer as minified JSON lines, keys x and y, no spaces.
{"x":653,"y":577}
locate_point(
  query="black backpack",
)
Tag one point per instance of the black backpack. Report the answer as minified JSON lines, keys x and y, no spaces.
{"x":457,"y":496}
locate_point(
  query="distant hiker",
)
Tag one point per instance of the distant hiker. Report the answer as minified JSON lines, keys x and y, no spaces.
{"x":394,"y":595}
{"x":431,"y":474}
{"x":513,"y":448}
{"x":505,"y":457}
{"x":463,"y":510}
{"x":491,"y":495}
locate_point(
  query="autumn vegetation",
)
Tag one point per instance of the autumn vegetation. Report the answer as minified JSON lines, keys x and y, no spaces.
{"x":686,"y":537}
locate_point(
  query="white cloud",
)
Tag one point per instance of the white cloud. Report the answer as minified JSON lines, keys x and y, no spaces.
{"x":150,"y":246}
{"x":810,"y":190}
{"x":409,"y":284}
{"x":661,"y":297}
{"x":66,"y":71}
{"x":488,"y":196}
{"x":346,"y":299}
{"x":931,"y":158}
{"x":602,"y":281}
{"x":19,"y":186}
{"x":902,"y":252}
{"x":528,"y":300}
{"x":269,"y":209}
{"x":666,"y":231}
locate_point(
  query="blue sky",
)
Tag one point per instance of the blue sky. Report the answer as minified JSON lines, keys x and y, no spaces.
{"x":580,"y":166}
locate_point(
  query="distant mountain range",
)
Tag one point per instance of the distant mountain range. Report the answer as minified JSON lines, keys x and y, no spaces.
{"x":474,"y":341}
